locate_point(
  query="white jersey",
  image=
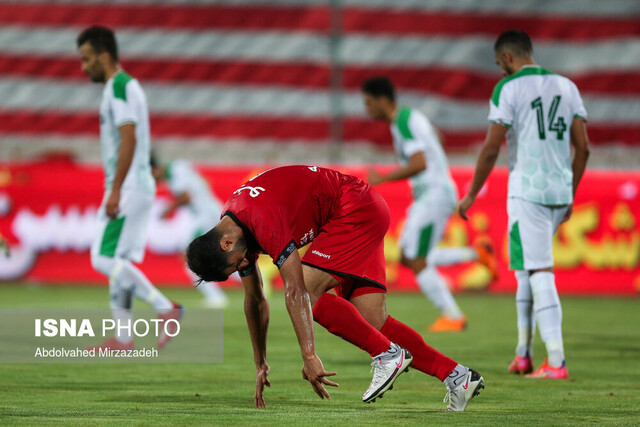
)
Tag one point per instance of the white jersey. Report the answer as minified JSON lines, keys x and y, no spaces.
{"x":123,"y":101}
{"x":538,"y":107}
{"x":182,"y":177}
{"x":412,"y":133}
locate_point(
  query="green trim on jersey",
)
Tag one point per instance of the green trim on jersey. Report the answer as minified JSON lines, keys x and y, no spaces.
{"x":516,"y":256}
{"x":527,"y":71}
{"x":120,"y":85}
{"x":425,"y":241}
{"x":111,"y":236}
{"x":168,"y":173}
{"x":402,"y":121}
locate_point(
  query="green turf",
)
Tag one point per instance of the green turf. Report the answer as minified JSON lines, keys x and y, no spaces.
{"x":602,"y":341}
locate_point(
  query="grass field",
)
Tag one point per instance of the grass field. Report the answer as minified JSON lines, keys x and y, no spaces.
{"x":602,"y":341}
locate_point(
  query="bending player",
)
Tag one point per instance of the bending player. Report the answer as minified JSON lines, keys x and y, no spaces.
{"x":424,"y":163}
{"x":542,"y":115}
{"x":344,"y":220}
{"x":190,"y":189}
{"x":123,"y":216}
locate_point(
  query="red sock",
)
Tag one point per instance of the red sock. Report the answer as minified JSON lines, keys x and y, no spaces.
{"x":341,"y":318}
{"x":425,"y":358}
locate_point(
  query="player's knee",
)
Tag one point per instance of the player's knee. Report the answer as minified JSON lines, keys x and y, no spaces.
{"x":415,"y":264}
{"x":102,"y":264}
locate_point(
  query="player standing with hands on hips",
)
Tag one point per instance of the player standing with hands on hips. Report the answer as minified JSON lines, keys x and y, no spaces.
{"x":123,"y":217}
{"x":542,"y":115}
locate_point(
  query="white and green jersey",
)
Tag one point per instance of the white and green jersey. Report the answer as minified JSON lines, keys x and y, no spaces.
{"x":182,"y":177}
{"x":123,"y":101}
{"x":412,"y":133}
{"x":538,"y":107}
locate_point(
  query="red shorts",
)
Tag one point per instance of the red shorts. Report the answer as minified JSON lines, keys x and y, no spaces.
{"x":350,"y":246}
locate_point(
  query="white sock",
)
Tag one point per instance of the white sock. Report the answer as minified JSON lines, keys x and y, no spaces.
{"x":126,"y":277}
{"x":448,"y":256}
{"x":436,"y":289}
{"x":131,"y":278}
{"x":546,"y":304}
{"x":526,"y":316}
{"x":121,"y":301}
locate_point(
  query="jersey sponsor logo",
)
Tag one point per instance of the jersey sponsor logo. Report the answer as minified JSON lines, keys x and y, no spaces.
{"x":320,"y":254}
{"x":253,"y":191}
{"x":313,"y":168}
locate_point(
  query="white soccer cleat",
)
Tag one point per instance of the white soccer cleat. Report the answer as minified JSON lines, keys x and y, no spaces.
{"x":387,"y":368}
{"x":460,"y":396}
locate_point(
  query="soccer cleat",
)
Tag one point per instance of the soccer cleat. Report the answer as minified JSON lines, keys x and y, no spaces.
{"x":547,"y":372}
{"x":487,"y":255}
{"x":112,"y":344}
{"x":521,"y":365}
{"x":387,"y":368}
{"x":460,"y":396}
{"x":447,"y":324}
{"x":174,"y":314}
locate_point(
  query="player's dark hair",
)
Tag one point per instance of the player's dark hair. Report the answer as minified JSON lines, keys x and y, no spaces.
{"x":515,"y":41}
{"x":379,"y":86}
{"x":101,"y":39}
{"x":206,"y":259}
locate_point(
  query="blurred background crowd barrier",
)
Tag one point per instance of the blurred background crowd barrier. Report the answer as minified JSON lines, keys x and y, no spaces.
{"x":50,"y":225}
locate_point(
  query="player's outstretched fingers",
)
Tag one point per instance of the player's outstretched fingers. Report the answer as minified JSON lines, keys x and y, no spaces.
{"x":327,"y":381}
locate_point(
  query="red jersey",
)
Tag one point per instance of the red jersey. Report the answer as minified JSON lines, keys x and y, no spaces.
{"x":284,"y":208}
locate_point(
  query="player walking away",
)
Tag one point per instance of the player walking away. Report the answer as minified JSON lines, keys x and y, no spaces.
{"x":424,"y":163}
{"x":129,"y":187}
{"x":190,"y":189}
{"x":344,"y":220}
{"x":541,"y":114}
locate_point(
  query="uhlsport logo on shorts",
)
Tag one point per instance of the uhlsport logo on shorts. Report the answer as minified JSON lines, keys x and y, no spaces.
{"x":320,"y":254}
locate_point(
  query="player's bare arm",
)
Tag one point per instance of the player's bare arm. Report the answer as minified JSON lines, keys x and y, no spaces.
{"x":182,"y":199}
{"x":299,"y":308}
{"x":580,"y":142}
{"x":417,"y":163}
{"x":256,"y":310}
{"x":484,"y":166}
{"x":125,"y":157}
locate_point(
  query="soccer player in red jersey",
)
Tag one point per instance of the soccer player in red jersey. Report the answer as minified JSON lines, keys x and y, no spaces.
{"x":344,"y":220}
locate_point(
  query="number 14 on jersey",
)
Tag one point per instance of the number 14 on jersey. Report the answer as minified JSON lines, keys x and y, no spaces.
{"x":558,"y":126}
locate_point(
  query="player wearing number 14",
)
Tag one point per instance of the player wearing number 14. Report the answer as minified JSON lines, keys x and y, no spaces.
{"x":542,"y":115}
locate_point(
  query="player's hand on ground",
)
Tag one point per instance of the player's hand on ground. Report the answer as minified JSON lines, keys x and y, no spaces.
{"x":113,"y":204}
{"x":374,"y":177}
{"x":566,"y":216}
{"x":313,"y":371}
{"x":464,"y":205}
{"x":262,"y":372}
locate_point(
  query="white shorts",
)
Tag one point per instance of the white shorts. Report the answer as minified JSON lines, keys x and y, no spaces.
{"x":125,"y":236}
{"x":425,"y":225}
{"x":531,"y":230}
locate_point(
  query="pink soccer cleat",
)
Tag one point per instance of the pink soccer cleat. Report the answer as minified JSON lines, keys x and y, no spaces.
{"x":521,"y":365}
{"x":174,"y":314}
{"x":547,"y":372}
{"x":112,"y":344}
